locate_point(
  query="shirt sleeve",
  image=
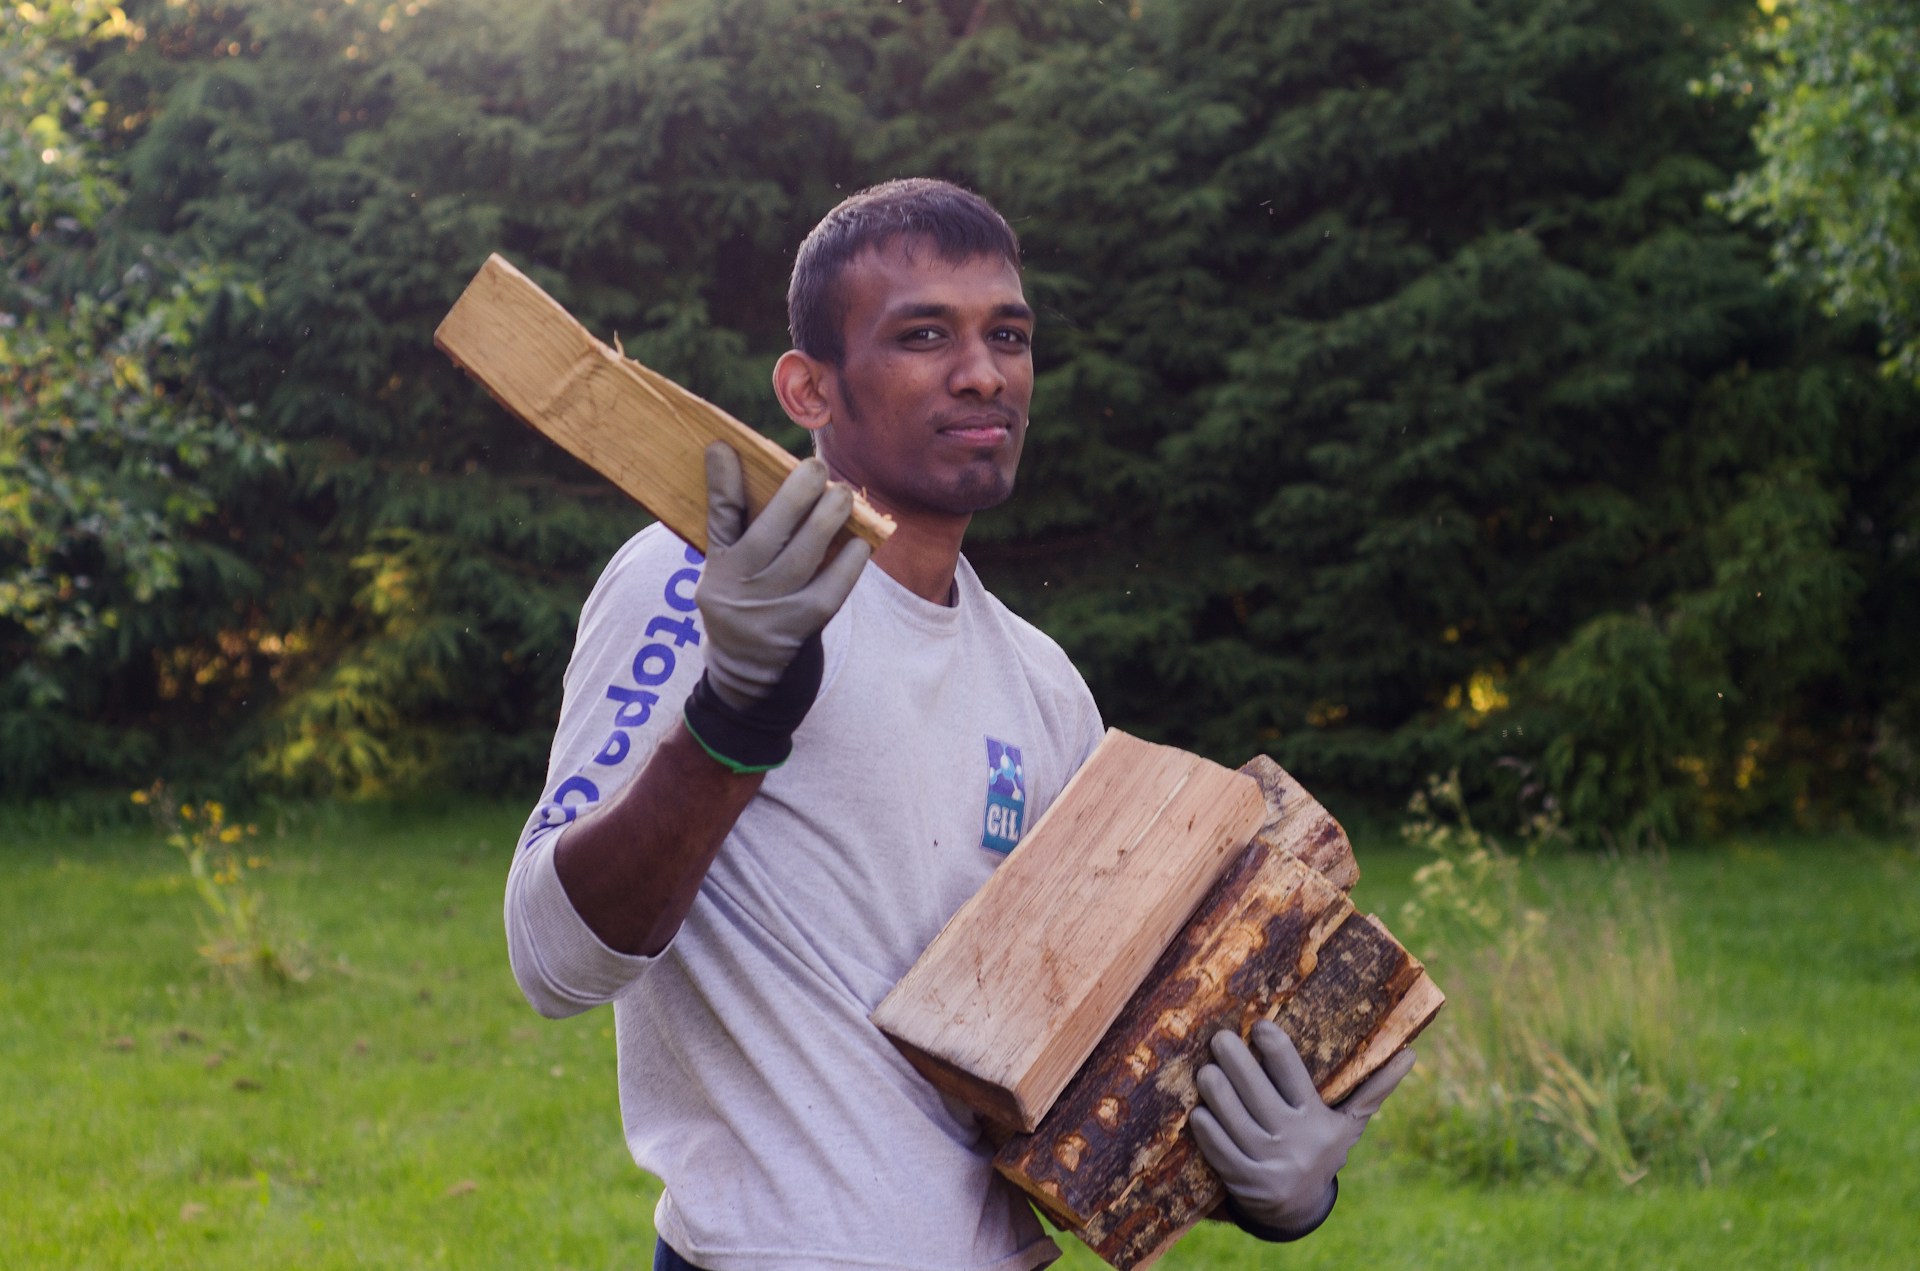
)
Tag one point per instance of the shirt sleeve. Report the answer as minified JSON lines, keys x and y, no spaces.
{"x":635,"y":660}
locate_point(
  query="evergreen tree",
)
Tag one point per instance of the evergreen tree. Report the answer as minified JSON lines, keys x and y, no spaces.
{"x":1409,"y":402}
{"x":653,"y":166}
{"x":1401,"y":405}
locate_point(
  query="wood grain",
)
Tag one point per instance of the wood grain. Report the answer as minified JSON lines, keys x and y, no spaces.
{"x":1276,"y":938}
{"x":1016,"y":990}
{"x":634,"y":426}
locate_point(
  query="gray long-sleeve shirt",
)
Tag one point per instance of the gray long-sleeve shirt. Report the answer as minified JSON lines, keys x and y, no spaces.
{"x":789,"y":1133}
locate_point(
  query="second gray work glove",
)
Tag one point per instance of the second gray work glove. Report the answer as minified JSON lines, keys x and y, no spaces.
{"x":763,"y":598}
{"x":1276,"y":1146}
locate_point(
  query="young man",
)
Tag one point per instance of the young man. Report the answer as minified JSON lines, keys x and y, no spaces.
{"x":769,"y":787}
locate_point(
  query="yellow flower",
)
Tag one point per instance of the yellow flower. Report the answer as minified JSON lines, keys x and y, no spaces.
{"x":231,"y":834}
{"x":215,"y":812}
{"x":140,"y":796}
{"x":186,"y":812}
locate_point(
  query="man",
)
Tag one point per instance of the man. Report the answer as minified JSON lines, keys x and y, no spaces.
{"x":757,"y":818}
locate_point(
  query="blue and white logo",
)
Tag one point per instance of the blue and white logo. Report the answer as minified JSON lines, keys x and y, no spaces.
{"x":1006,"y":797}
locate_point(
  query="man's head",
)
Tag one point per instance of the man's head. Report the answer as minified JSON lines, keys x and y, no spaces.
{"x":956,"y":223}
{"x":913,"y":362}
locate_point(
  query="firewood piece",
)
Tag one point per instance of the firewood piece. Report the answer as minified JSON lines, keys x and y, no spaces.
{"x":1018,"y":987}
{"x":631,"y":424}
{"x":1296,"y":823}
{"x":1253,"y":940}
{"x":1363,"y":974}
{"x":1114,"y":1161}
{"x":1409,"y":1017}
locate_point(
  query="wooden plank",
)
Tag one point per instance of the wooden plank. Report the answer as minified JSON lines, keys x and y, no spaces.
{"x":1298,"y":825}
{"x":1017,"y":989}
{"x":1113,"y":1161}
{"x":627,"y":422}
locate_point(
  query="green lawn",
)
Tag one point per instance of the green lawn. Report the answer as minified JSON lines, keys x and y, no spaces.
{"x":404,"y":1108}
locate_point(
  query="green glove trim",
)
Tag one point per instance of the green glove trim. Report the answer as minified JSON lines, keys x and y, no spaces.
{"x":731,"y":765}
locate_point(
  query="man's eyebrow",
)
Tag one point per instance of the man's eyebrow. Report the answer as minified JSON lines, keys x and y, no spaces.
{"x":949,"y":313}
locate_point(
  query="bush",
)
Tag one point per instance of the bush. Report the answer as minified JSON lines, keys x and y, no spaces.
{"x":1563,"y":1048}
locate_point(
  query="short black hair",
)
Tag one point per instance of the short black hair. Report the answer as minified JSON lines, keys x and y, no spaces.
{"x":959,"y":223}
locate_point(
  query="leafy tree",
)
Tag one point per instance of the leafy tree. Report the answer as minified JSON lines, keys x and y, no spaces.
{"x":1409,"y":398}
{"x":1838,"y":134}
{"x":1401,"y":405}
{"x":653,"y":165}
{"x":109,"y":463}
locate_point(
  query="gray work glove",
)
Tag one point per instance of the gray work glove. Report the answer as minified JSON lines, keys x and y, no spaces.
{"x":763,"y":599}
{"x":1265,"y":1131}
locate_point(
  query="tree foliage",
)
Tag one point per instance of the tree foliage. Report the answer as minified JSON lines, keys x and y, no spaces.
{"x":1838,"y":136}
{"x":111,"y":462}
{"x":1401,"y":405}
{"x":1422,"y":416}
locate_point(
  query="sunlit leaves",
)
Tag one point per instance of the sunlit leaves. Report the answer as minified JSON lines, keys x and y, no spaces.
{"x":1838,"y":133}
{"x":109,"y":455}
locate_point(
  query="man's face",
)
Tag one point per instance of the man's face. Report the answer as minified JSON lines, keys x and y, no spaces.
{"x":930,"y":400}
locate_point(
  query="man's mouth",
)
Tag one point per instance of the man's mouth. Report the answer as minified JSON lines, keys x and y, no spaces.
{"x":984,"y":429}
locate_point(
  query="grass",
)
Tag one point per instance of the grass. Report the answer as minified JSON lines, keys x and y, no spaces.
{"x":1567,"y":1047}
{"x":403,"y":1108}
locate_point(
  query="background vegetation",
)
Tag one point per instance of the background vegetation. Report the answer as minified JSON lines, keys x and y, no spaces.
{"x":403,"y":1108}
{"x":1521,"y":389}
{"x":1403,"y":403}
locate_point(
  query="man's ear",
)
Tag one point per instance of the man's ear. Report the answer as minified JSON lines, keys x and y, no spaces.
{"x":801,"y":384}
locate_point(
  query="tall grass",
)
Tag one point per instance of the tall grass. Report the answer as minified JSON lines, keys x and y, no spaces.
{"x":1564,"y":1046}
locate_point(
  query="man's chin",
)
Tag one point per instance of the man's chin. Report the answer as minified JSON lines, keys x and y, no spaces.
{"x":979,"y":491}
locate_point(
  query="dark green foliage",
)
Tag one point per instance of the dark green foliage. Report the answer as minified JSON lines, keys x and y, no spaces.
{"x":1421,"y":415}
{"x":116,"y":465}
{"x":1402,"y":407}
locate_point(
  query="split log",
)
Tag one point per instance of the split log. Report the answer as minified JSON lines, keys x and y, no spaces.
{"x":1252,"y":942}
{"x":1017,"y":989}
{"x":1297,"y":825}
{"x":627,"y":422}
{"x":1113,"y":1160}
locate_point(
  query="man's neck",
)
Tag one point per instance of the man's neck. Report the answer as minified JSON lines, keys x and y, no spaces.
{"x":923,"y":553}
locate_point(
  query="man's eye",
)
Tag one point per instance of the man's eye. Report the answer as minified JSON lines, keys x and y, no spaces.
{"x":1013,"y":336}
{"x":922,"y":335}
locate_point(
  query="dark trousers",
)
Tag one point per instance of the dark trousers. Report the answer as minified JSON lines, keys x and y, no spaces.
{"x":665,"y":1259}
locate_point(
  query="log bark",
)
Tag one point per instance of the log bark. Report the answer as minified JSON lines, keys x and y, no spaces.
{"x":631,"y":424}
{"x":1255,"y":938}
{"x":1013,"y":994}
{"x":1113,"y":1160}
{"x":1298,"y":825}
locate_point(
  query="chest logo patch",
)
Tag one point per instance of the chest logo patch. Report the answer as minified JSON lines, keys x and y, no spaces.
{"x":1006,"y":797}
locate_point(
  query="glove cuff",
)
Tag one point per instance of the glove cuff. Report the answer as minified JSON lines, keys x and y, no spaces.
{"x":1276,"y":1235}
{"x":759,"y":736}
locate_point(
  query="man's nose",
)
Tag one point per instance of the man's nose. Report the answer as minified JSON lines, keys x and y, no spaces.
{"x":977,"y":373}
